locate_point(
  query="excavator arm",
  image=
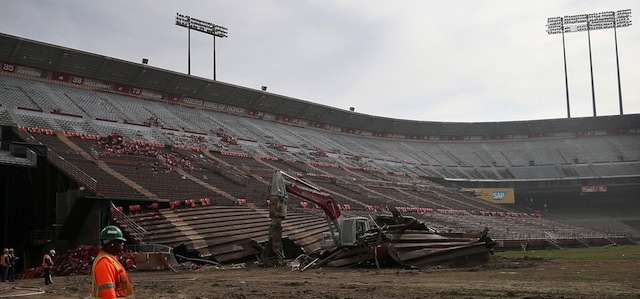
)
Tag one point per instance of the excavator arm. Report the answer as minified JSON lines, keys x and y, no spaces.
{"x":312,"y":194}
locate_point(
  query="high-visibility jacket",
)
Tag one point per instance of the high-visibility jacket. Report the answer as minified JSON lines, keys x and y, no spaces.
{"x":47,"y":261}
{"x":109,"y":279}
{"x":4,"y":261}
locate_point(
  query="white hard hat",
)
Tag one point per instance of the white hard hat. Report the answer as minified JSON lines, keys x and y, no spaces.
{"x":52,"y":252}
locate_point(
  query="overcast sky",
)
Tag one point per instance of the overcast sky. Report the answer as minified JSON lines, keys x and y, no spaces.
{"x":458,"y":61}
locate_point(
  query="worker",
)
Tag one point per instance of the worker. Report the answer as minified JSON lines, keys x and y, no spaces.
{"x":47,"y":265}
{"x":12,"y":264}
{"x":109,"y":279}
{"x":4,"y":264}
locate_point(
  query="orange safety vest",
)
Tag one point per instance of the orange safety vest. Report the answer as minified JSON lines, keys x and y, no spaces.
{"x":109,"y":279}
{"x":46,"y":258}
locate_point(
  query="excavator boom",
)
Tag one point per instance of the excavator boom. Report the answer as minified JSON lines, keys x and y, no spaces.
{"x":316,"y":196}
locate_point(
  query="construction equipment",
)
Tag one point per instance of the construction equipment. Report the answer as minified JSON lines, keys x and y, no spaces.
{"x":396,"y":239}
{"x":344,"y":232}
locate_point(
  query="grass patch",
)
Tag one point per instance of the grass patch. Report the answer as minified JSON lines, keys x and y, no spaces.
{"x":611,"y":253}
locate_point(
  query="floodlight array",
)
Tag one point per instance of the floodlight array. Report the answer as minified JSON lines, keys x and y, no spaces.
{"x":200,"y":25}
{"x":592,"y":21}
{"x":588,"y":22}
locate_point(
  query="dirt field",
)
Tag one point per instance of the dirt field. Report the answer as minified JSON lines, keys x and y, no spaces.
{"x":502,"y":278}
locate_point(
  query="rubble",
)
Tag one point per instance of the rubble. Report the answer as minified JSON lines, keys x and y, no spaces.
{"x":404,"y":241}
{"x":77,"y":261}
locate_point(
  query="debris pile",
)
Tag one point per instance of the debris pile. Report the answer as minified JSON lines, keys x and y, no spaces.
{"x":404,"y":241}
{"x":414,"y":244}
{"x":77,"y":261}
{"x":395,"y":239}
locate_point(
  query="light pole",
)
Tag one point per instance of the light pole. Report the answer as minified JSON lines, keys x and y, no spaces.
{"x":593,"y":89}
{"x":218,"y":31}
{"x":204,"y":27}
{"x":588,"y":22}
{"x":566,"y":77}
{"x":622,"y":16}
{"x":557,"y":25}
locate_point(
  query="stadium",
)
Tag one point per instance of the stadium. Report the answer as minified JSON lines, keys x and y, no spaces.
{"x":185,"y":162}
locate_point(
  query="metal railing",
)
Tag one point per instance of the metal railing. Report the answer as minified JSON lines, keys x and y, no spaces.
{"x":72,"y":171}
{"x":134,"y":229}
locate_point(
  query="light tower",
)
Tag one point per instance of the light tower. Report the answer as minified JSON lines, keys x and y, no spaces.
{"x":204,"y":27}
{"x":588,"y":22}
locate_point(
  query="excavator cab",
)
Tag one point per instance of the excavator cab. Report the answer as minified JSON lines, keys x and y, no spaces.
{"x":352,"y":230}
{"x":349,"y":231}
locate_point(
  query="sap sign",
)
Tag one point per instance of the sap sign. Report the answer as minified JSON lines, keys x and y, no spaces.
{"x":495,"y":195}
{"x":499,"y":195}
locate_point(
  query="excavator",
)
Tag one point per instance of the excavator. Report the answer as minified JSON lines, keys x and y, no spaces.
{"x":395,"y":239}
{"x":343,"y":231}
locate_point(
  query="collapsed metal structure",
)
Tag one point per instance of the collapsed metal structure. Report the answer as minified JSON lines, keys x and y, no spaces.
{"x":404,"y":241}
{"x":395,"y":240}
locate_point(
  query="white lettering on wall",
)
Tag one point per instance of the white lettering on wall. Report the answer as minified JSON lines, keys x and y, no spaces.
{"x":95,"y":84}
{"x":192,"y":101}
{"x":28,"y":71}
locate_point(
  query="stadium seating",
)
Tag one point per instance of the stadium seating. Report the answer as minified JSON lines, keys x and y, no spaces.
{"x":360,"y":173}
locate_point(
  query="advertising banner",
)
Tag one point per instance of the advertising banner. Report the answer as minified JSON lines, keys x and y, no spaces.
{"x":495,"y":195}
{"x":593,"y":188}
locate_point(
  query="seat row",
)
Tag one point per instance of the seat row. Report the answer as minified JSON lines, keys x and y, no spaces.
{"x":36,"y":130}
{"x":190,"y":203}
{"x":235,"y":154}
{"x":82,"y":135}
